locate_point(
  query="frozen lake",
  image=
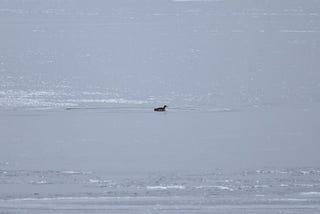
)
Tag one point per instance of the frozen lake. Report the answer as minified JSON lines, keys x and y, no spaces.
{"x":79,"y":81}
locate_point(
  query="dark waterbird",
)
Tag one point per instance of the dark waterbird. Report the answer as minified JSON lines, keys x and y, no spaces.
{"x":161,"y":108}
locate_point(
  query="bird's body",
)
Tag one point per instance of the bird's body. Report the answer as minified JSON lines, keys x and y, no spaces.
{"x":161,"y":108}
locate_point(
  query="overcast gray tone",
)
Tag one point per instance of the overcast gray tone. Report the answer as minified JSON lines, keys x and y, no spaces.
{"x":79,"y":81}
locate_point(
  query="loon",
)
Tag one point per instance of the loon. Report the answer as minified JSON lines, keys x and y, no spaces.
{"x":161,"y":108}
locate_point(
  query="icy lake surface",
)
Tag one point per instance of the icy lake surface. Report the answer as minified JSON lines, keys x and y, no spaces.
{"x":79,"y":81}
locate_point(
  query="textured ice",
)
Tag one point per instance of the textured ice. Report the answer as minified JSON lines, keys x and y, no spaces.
{"x":194,"y":193}
{"x":311,"y":193}
{"x":165,"y":187}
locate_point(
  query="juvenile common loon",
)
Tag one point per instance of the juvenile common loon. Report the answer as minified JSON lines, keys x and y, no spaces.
{"x":161,"y":108}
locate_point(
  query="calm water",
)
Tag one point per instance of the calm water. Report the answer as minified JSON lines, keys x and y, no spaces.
{"x":79,"y":80}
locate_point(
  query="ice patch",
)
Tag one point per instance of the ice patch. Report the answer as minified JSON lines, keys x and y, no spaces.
{"x":71,"y":172}
{"x":311,"y":193}
{"x":287,"y":199}
{"x":39,"y":182}
{"x":97,"y":181}
{"x":166,"y":187}
{"x":216,"y":187}
{"x":94,"y":181}
{"x":223,"y":188}
{"x":261,"y":186}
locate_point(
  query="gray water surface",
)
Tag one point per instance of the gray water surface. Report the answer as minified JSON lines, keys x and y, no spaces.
{"x":79,"y":81}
